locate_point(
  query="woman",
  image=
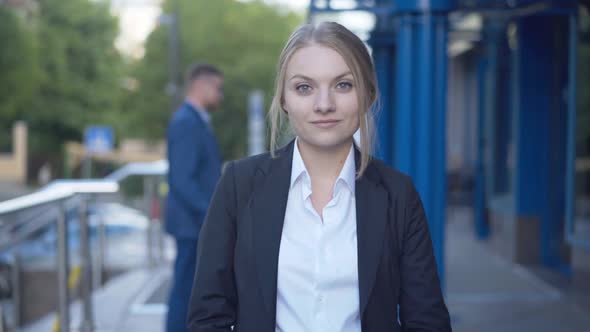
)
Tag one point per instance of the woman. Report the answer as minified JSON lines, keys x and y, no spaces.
{"x":317,"y":236}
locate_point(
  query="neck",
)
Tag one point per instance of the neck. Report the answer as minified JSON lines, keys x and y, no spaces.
{"x":324,"y":163}
{"x":196,"y":103}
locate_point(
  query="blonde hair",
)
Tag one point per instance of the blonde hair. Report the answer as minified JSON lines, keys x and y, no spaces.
{"x":356,"y":56}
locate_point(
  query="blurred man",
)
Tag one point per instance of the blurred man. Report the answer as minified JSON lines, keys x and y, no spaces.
{"x":194,"y":168}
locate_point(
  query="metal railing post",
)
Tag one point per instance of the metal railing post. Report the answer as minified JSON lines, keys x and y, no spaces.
{"x":87,"y":324}
{"x":3,"y":327}
{"x":101,"y":255}
{"x":63,"y":270}
{"x":160,"y":229}
{"x":16,"y":289}
{"x":148,"y":195}
{"x":59,"y":194}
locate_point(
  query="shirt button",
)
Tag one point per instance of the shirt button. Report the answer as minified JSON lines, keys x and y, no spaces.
{"x":321,"y":299}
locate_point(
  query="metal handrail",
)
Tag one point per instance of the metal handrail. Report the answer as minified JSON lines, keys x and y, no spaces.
{"x":61,"y":189}
{"x":159,"y":167}
{"x":63,"y":194}
{"x":33,"y":200}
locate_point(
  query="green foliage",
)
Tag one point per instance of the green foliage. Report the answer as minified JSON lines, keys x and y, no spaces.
{"x":18,"y":74}
{"x":59,"y":71}
{"x":243,"y":39}
{"x":81,"y":69}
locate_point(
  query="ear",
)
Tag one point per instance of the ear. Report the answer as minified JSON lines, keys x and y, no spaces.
{"x":283,"y":107}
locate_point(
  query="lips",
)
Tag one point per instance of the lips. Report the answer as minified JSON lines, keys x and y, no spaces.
{"x":325,"y":124}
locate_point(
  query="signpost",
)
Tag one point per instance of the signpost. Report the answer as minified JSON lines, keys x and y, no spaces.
{"x":97,"y":140}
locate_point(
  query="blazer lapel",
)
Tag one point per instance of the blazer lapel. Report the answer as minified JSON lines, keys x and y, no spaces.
{"x":267,"y":210}
{"x":371,"y":219}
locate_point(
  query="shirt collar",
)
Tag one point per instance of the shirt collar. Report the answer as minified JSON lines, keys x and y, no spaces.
{"x":205,"y":116}
{"x":298,"y":167}
{"x":347,"y":174}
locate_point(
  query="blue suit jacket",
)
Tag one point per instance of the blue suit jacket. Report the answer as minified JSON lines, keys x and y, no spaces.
{"x":194,"y":169}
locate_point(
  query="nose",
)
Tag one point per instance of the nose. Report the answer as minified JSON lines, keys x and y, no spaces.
{"x":324,"y":102}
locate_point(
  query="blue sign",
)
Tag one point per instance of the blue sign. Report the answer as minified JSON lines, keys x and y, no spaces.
{"x":99,"y":139}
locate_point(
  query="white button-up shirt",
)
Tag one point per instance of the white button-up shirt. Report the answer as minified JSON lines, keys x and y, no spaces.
{"x":317,"y":281}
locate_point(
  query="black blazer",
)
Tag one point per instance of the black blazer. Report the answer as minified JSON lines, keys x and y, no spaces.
{"x":236,"y":278}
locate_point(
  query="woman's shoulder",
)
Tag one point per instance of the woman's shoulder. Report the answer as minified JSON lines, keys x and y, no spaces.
{"x":394,"y":180}
{"x":246,"y":167}
{"x":243,"y":173}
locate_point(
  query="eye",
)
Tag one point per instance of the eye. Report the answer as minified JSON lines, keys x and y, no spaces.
{"x":303,"y":88}
{"x":344,"y":86}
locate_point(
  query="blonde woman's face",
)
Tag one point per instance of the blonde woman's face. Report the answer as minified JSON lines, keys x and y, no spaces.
{"x":320,"y":97}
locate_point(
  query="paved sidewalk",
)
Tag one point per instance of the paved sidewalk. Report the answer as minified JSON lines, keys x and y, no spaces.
{"x":487,"y":293}
{"x":119,"y":306}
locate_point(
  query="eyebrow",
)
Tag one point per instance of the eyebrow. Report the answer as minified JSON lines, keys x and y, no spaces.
{"x":310,"y":79}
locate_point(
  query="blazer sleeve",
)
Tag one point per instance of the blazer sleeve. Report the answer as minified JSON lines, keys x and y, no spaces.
{"x":185,"y":151}
{"x":213,"y":300}
{"x":422,"y":306}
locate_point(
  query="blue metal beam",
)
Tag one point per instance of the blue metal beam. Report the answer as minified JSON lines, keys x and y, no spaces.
{"x":570,"y":170}
{"x":404,"y":123}
{"x":423,"y":6}
{"x":482,"y":229}
{"x":491,"y":102}
{"x":420,"y":128}
{"x":540,"y":130}
{"x":383,"y":54}
{"x":492,"y":8}
{"x":439,"y":145}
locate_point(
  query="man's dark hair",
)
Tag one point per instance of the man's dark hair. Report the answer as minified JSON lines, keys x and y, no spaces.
{"x":199,"y":70}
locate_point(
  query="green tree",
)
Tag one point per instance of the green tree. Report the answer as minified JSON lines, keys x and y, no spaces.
{"x":80,"y":69}
{"x":18,"y":70}
{"x":243,"y":39}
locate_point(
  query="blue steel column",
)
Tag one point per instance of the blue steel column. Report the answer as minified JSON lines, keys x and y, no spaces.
{"x":382,"y":42}
{"x":570,"y":172}
{"x":487,"y":104}
{"x":482,"y":229}
{"x":420,"y":126}
{"x":540,"y":131}
{"x":552,"y":230}
{"x":403,"y":157}
{"x":438,"y":170}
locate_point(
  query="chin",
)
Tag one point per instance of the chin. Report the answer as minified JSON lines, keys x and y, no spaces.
{"x":322,"y":142}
